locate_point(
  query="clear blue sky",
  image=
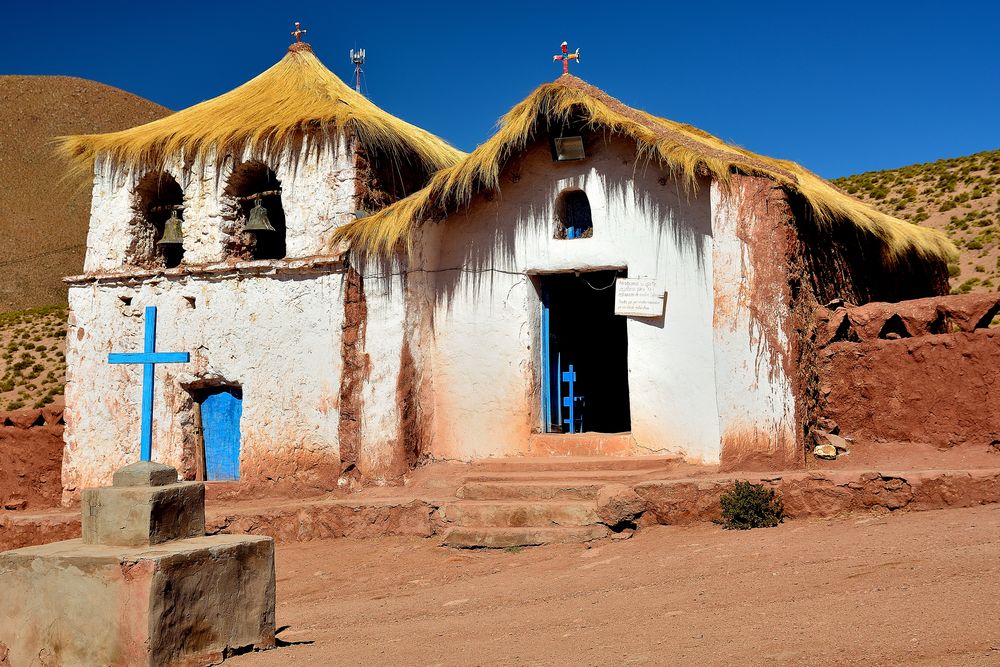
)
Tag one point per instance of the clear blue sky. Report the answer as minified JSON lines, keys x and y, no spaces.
{"x":840,"y":87}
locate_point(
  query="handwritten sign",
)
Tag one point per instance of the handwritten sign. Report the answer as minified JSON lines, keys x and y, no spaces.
{"x":638,"y":297}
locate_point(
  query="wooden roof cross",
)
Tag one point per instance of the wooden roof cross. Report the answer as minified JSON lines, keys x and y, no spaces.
{"x":298,"y":32}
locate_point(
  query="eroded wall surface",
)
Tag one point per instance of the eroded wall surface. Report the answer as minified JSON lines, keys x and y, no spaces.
{"x":922,"y":371}
{"x":318,"y":184}
{"x":754,"y":364}
{"x":486,"y":304}
{"x":274,"y":332}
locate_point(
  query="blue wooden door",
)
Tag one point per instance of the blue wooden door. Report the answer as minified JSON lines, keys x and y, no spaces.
{"x":220,"y":426}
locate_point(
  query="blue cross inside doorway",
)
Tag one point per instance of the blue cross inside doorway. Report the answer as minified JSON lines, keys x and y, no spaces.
{"x":584,"y":349}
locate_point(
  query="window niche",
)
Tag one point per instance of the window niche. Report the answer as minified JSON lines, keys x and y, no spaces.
{"x":156,"y":238}
{"x":260,"y":234}
{"x":573,"y":218}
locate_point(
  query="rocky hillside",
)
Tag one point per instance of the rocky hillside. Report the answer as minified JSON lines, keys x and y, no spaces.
{"x":44,"y":219}
{"x":960,"y":196}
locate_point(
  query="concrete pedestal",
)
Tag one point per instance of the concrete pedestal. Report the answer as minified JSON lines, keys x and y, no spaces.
{"x":133,"y":594}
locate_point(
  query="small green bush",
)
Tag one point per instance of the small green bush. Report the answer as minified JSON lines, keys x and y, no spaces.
{"x":967,"y":286}
{"x":749,"y":505}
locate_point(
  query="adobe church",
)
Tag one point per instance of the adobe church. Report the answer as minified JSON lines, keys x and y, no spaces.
{"x":357,"y":296}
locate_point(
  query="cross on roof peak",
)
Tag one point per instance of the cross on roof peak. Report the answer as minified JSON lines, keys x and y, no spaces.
{"x":566,"y":56}
{"x":298,"y":32}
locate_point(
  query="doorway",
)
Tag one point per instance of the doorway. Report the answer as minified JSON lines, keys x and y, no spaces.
{"x":584,"y":354}
{"x":221,"y":410}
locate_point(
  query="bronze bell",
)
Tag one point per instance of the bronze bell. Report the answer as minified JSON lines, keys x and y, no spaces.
{"x":172,"y":233}
{"x":258,"y":219}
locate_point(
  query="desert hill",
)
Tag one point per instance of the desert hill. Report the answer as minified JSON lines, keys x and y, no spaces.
{"x":43,"y":219}
{"x":959,"y":196}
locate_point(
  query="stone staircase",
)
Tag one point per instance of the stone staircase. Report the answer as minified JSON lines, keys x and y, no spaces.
{"x":530,"y":501}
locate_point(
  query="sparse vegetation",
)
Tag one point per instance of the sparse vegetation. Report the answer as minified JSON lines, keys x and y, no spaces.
{"x":749,"y":505}
{"x":959,"y":196}
{"x":33,"y":366}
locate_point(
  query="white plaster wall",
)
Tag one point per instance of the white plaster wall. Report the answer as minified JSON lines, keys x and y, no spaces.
{"x":276,"y":336}
{"x":110,"y":214}
{"x":385,"y":328}
{"x":317,"y":182}
{"x":485,"y":312}
{"x":755,"y":396}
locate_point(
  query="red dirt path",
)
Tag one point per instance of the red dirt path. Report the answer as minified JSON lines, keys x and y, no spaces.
{"x":915,"y":588}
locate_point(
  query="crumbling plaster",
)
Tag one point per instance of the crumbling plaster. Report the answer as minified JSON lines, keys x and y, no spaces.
{"x":485,"y":304}
{"x":277,"y":336}
{"x":457,"y":323}
{"x":753,"y":352}
{"x":318,"y":182}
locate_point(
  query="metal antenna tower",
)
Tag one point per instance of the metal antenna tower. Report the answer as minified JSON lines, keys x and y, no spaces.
{"x":358,"y":58}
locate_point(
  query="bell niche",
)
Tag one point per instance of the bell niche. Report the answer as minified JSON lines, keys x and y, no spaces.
{"x":258,"y":218}
{"x":157,"y":229}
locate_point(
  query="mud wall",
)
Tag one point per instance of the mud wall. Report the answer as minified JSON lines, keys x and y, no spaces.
{"x":485,"y":321}
{"x":925,"y":371}
{"x":31,"y":449}
{"x":274,"y":329}
{"x":755,"y":364}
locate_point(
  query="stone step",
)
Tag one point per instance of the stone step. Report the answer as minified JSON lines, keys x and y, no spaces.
{"x":531,"y":490}
{"x":498,"y":538}
{"x":580,"y":444}
{"x":500,"y":514}
{"x":573,"y":464}
{"x":570,"y":477}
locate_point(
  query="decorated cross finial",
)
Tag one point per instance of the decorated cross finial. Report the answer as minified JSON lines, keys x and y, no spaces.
{"x":566,"y":56}
{"x":298,"y":32}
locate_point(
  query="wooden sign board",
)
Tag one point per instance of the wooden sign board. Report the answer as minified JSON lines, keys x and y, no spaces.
{"x":638,"y":297}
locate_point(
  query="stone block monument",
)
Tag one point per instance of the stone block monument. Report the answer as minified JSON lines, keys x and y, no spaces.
{"x":144,"y":585}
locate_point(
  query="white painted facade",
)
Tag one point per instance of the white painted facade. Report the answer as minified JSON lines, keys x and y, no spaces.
{"x":271,"y":328}
{"x":455,"y":331}
{"x":486,"y":330}
{"x":317,"y":195}
{"x":241,"y":328}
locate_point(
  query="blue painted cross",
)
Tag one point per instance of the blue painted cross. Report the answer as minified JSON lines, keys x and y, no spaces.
{"x":571,"y":400}
{"x":148,"y":358}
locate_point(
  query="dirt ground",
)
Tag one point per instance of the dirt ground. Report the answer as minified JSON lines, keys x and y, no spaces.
{"x":915,"y":588}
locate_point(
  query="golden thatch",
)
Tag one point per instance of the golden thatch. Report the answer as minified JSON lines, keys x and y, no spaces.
{"x":295,"y":98}
{"x":684,"y":150}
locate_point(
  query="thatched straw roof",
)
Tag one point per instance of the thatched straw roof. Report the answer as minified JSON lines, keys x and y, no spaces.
{"x":297,"y":97}
{"x":684,"y":150}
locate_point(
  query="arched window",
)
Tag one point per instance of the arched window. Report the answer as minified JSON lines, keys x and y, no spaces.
{"x":255,"y":202}
{"x":157,"y":234}
{"x":573,"y":219}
